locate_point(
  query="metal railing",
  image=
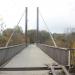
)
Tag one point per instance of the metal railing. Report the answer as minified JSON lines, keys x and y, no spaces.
{"x":60,"y":55}
{"x":7,"y":53}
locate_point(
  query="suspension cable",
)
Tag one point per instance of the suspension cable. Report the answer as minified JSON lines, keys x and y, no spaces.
{"x":7,"y":43}
{"x":49,"y":31}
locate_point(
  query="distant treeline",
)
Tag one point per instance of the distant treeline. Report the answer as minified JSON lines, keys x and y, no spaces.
{"x":62,"y":40}
{"x":17,"y":38}
{"x":66,"y":40}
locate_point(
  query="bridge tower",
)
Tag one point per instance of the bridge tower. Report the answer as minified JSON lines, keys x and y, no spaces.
{"x":26,"y":16}
{"x":37,"y":33}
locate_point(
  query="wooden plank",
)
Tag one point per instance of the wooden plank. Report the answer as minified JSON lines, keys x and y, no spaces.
{"x":28,"y":68}
{"x":53,"y":70}
{"x":65,"y":70}
{"x":24,"y":69}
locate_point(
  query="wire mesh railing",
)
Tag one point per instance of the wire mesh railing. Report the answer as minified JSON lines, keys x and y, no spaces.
{"x":7,"y":53}
{"x":60,"y":55}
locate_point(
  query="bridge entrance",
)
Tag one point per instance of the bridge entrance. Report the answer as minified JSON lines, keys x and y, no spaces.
{"x":34,"y":58}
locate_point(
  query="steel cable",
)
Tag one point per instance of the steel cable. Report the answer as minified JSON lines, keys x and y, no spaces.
{"x":13,"y":31}
{"x":49,"y":31}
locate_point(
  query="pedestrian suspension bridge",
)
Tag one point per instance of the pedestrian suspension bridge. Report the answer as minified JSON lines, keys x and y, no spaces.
{"x":37,"y":58}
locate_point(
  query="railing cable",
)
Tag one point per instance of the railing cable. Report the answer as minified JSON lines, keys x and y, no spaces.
{"x":7,"y":43}
{"x":49,"y":31}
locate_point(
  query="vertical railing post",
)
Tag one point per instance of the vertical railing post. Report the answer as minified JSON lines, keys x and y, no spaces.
{"x":69,"y":58}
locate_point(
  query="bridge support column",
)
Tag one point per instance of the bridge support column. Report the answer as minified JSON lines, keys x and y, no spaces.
{"x":26,"y":12}
{"x":37,"y":35}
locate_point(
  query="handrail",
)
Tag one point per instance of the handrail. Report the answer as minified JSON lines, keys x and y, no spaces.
{"x":55,"y":47}
{"x":10,"y":46}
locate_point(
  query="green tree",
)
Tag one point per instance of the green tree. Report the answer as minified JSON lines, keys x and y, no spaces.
{"x":17,"y":38}
{"x":42,"y":36}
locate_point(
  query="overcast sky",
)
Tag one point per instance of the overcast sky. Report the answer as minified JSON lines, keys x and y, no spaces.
{"x":58,"y":14}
